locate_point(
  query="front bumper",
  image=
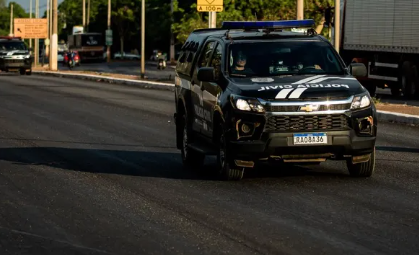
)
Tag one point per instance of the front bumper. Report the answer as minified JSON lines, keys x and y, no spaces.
{"x":15,"y":63}
{"x":356,"y":138}
{"x":340,"y":144}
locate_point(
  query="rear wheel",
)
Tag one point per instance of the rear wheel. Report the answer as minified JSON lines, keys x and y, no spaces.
{"x":226,"y":167}
{"x":191,"y":159}
{"x":362,"y":169}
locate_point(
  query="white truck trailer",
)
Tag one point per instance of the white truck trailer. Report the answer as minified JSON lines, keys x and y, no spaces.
{"x":384,"y":35}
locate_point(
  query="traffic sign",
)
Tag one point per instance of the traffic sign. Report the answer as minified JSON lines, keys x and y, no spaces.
{"x":109,"y":37}
{"x":31,"y":28}
{"x":210,"y":5}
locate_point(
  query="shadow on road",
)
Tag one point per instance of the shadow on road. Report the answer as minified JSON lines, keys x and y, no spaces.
{"x":144,"y":163}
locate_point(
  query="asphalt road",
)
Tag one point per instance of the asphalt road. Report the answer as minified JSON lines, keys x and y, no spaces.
{"x":91,"y":168}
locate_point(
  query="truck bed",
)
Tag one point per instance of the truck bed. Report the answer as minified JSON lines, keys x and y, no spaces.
{"x":382,"y":25}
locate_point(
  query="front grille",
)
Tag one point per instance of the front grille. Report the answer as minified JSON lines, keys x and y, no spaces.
{"x":286,"y":108}
{"x":307,"y":123}
{"x":13,"y":61}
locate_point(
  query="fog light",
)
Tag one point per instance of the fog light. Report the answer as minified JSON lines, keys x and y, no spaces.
{"x":245,"y":129}
{"x":365,"y":125}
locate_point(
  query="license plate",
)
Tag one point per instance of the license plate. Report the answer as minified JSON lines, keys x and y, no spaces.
{"x":313,"y":138}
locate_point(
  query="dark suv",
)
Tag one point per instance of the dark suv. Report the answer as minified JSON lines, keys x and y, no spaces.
{"x":254,"y":91}
{"x":14,"y":55}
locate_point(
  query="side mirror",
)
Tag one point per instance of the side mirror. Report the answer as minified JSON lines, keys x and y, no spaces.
{"x":206,"y":74}
{"x":358,"y":70}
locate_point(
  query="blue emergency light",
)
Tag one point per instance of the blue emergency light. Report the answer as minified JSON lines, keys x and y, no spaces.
{"x":268,"y":24}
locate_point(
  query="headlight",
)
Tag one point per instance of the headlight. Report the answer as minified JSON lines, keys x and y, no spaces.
{"x":361,"y":101}
{"x":247,"y":104}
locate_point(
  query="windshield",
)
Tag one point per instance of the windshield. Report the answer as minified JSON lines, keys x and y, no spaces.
{"x":264,"y":59}
{"x":6,"y":46}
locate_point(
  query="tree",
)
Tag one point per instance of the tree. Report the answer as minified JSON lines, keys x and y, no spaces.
{"x":18,"y":12}
{"x":123,"y":18}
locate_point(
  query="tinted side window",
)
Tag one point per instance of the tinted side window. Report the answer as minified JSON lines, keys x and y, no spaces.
{"x":216,"y":60}
{"x":206,"y":53}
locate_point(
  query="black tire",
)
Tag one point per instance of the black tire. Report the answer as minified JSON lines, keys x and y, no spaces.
{"x":191,"y":159}
{"x":395,"y":90}
{"x":226,"y":167}
{"x":29,"y":72}
{"x":363,"y":169}
{"x":22,"y":71}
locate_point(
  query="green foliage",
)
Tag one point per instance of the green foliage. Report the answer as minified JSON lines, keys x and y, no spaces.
{"x":251,"y":10}
{"x":126,"y":18}
{"x":18,"y":12}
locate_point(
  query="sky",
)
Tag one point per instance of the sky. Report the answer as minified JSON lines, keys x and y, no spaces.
{"x":26,"y":4}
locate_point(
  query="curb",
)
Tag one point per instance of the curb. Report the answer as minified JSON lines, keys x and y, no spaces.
{"x":381,"y":115}
{"x":99,"y":78}
{"x":397,"y":117}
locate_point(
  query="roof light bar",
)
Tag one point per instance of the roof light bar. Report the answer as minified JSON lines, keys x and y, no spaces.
{"x":268,"y":24}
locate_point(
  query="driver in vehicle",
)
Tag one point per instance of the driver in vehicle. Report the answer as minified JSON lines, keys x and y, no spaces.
{"x":240,"y":65}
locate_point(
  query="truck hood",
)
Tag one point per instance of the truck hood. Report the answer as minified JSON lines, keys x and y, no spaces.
{"x":301,"y":87}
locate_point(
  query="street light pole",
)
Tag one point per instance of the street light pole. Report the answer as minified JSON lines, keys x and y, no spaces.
{"x":88,"y":14}
{"x":108,"y":50}
{"x":30,"y":16}
{"x":172,"y":38}
{"x":142,"y":38}
{"x":300,"y":9}
{"x":337,"y":25}
{"x":54,"y":37}
{"x":84,"y":14}
{"x":47,"y":48}
{"x":11,"y":20}
{"x":36,"y":54}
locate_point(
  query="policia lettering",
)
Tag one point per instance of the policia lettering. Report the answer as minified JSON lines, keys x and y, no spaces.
{"x":297,"y":91}
{"x":202,"y":113}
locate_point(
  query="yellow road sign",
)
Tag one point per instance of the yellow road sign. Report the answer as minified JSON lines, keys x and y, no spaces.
{"x":210,"y":5}
{"x":31,"y":28}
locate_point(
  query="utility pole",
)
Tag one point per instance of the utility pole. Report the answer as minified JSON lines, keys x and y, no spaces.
{"x":36,"y":54}
{"x":300,"y":9}
{"x":212,"y":19}
{"x":84,"y":14}
{"x":11,"y":20}
{"x":337,"y":25}
{"x":54,"y":38}
{"x":47,"y":48}
{"x":142,"y":39}
{"x":30,"y":16}
{"x":108,"y":50}
{"x":88,"y":15}
{"x":50,"y":31}
{"x":172,"y":38}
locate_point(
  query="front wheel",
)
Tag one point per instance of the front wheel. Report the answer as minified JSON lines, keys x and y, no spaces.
{"x":226,"y":167}
{"x":362,"y":169}
{"x":191,"y":159}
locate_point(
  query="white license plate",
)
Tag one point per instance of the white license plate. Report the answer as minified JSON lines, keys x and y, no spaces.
{"x":313,"y":138}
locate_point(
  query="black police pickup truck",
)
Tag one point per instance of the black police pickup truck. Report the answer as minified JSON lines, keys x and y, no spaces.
{"x":14,"y":55}
{"x":262,"y":91}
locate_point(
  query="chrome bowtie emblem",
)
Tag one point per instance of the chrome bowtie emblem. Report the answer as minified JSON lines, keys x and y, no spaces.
{"x":309,"y":108}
